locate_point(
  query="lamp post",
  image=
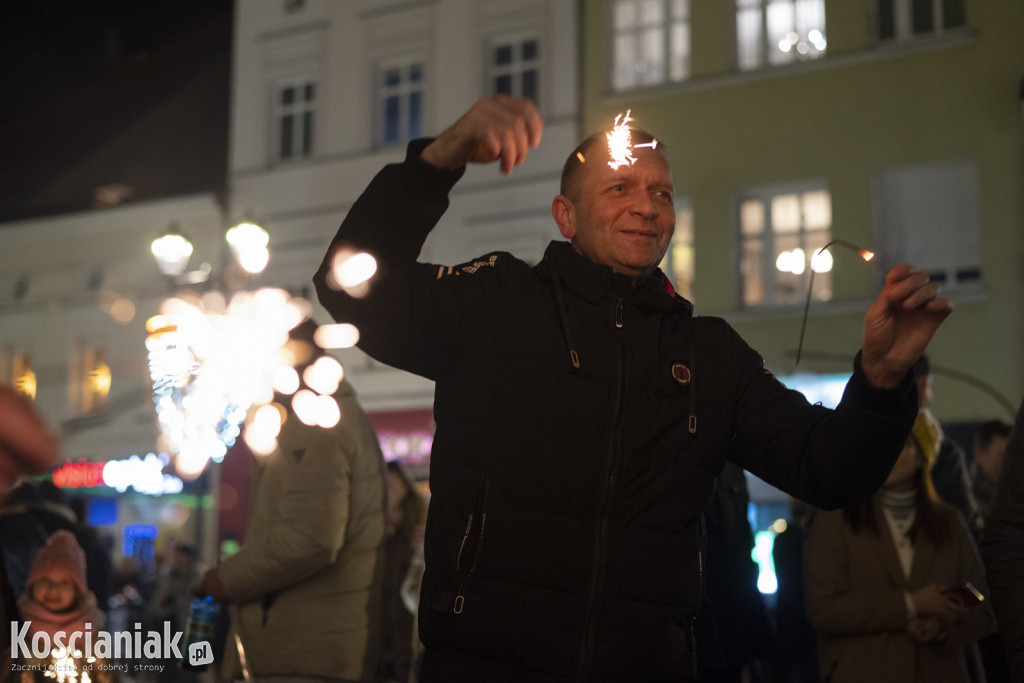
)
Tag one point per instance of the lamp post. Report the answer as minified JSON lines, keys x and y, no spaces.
{"x":222,"y":367}
{"x":248,"y":243}
{"x":198,"y":421}
{"x":172,"y":251}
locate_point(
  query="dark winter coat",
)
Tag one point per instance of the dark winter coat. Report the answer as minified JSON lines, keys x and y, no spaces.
{"x":564,"y":539}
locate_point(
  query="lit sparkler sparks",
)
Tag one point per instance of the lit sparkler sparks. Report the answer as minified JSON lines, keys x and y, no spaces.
{"x":65,"y":667}
{"x":215,"y":368}
{"x":620,"y":142}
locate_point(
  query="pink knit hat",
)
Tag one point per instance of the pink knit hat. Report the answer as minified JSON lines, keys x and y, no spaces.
{"x":62,"y":555}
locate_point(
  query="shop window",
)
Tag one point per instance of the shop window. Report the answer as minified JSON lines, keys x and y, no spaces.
{"x":774,"y":32}
{"x":780,"y":235}
{"x":650,"y":42}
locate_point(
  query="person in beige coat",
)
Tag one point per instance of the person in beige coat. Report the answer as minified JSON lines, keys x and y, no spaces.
{"x":877,"y":583}
{"x":307,"y":580}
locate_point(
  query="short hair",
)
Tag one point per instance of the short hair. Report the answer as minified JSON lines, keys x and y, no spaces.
{"x":987,"y":431}
{"x":574,"y":163}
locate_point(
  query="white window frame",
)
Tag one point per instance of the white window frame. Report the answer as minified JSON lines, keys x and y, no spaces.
{"x":301,"y":111}
{"x":403,"y":90}
{"x":673,"y":59}
{"x":784,"y":31}
{"x":770,"y":275}
{"x":903,"y":20}
{"x":517,"y":67}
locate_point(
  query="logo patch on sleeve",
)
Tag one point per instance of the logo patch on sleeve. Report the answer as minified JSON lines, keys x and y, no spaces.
{"x":445,"y":271}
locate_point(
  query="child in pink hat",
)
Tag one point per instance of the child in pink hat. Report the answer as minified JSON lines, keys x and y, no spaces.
{"x":56,"y":599}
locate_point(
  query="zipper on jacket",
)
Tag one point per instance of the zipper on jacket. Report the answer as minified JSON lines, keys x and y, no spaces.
{"x":465,"y":575}
{"x":465,"y":537}
{"x":618,"y":312}
{"x":601,"y":536}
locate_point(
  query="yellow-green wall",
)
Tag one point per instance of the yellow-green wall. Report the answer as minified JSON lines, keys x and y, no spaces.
{"x":841,"y":119}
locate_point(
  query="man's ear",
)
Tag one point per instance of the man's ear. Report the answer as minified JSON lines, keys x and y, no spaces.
{"x":564,"y":213}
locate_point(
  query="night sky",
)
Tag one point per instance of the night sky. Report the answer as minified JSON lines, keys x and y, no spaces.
{"x":50,"y":47}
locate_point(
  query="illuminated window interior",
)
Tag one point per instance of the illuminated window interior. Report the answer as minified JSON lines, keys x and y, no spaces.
{"x":23,"y":378}
{"x":780,"y":234}
{"x":678,"y":263}
{"x":774,"y":32}
{"x":650,"y":42}
{"x":94,"y":380}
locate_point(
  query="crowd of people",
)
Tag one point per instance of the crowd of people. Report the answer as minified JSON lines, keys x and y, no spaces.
{"x":588,"y":504}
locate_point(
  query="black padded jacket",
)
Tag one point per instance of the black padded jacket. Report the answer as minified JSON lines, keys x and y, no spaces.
{"x":581,"y":422}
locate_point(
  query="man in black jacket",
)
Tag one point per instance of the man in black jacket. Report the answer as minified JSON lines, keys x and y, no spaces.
{"x":583,"y":412}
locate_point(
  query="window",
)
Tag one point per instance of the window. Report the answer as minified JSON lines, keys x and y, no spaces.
{"x":780,"y":232}
{"x":17,"y":372}
{"x":294,"y":116}
{"x":679,"y":259}
{"x":90,"y":379}
{"x":902,"y":19}
{"x":928,"y":216}
{"x":773,"y":32}
{"x":650,"y":42}
{"x":514,"y":67}
{"x":400,"y":101}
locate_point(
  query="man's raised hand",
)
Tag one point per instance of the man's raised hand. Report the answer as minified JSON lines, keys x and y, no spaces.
{"x":495,"y":128}
{"x":899,"y":325}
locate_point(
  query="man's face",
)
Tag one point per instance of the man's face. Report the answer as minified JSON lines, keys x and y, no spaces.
{"x":625,"y":217}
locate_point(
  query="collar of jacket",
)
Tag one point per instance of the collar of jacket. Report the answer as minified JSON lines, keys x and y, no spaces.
{"x":597,"y":283}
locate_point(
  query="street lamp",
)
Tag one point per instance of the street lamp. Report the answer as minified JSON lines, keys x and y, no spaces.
{"x":248,"y":243}
{"x":247,"y":240}
{"x":172,"y":251}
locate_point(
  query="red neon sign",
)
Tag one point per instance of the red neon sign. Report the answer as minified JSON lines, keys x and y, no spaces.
{"x":81,"y":474}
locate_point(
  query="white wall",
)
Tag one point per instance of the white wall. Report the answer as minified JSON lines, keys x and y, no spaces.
{"x":69,"y":262}
{"x":339,"y":44}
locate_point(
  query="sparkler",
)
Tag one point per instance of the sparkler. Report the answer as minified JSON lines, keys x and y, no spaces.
{"x":864,"y":254}
{"x":64,"y":668}
{"x":215,"y":368}
{"x":620,"y":143}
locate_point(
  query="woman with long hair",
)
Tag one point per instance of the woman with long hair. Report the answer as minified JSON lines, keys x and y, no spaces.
{"x":886,"y":579}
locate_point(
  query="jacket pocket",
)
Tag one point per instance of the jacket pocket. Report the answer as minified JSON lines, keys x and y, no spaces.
{"x":470,"y":547}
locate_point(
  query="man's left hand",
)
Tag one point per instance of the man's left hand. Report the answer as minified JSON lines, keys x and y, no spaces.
{"x":899,"y":325}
